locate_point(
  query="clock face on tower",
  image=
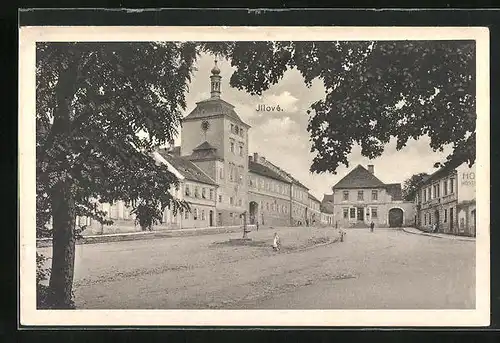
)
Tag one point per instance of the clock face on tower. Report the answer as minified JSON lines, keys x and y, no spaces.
{"x":205,"y":125}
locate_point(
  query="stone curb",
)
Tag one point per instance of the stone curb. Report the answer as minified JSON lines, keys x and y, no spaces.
{"x":147,"y":235}
{"x":456,"y":238}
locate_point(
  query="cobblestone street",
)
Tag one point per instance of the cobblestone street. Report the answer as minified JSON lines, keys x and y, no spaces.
{"x":387,"y":269}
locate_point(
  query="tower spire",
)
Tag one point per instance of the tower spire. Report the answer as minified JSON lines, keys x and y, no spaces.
{"x":215,"y":81}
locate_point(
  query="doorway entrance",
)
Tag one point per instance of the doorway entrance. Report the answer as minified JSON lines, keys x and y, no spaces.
{"x":211,"y":218}
{"x":254,"y":212}
{"x":436,"y":219}
{"x":395,"y":217}
{"x":361,"y":214}
{"x":451,"y":220}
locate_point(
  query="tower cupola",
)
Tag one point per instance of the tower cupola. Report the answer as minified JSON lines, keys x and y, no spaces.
{"x":215,"y":82}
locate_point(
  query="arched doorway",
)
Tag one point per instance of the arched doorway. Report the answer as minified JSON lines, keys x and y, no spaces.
{"x":254,"y":212}
{"x":396,"y":217}
{"x":306,"y":217}
{"x":436,"y":219}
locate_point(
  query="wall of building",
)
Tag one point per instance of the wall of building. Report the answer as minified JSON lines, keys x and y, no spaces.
{"x":192,"y":135}
{"x":210,"y":167}
{"x":467,"y":218}
{"x":299,"y":213}
{"x":233,"y":189}
{"x":375,"y":204}
{"x":271,"y":210}
{"x":272,"y":198}
{"x":449,"y":202}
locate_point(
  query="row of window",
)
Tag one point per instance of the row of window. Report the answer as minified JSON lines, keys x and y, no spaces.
{"x":194,"y":192}
{"x":361,"y":195}
{"x":298,"y":210}
{"x":274,"y":207}
{"x":429,"y":219}
{"x":433,"y":191}
{"x":237,"y":130}
{"x":298,"y":194}
{"x":314,"y":205}
{"x":351,"y":212}
{"x":205,"y":193}
{"x":268,"y":185}
{"x":195,"y":213}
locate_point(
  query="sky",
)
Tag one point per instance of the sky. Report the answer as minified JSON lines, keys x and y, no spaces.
{"x":282,"y":137}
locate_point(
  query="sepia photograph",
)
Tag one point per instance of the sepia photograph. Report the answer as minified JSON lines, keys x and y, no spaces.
{"x":315,"y":176}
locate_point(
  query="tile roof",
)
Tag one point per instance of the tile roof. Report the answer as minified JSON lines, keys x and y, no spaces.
{"x":213,"y":107}
{"x":204,"y":146}
{"x":260,"y":169}
{"x":441,"y":172}
{"x":204,"y":151}
{"x":187,"y":168}
{"x":359,"y":177}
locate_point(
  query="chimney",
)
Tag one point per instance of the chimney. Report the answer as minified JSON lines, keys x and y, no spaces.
{"x":371,"y":168}
{"x":256,"y":157}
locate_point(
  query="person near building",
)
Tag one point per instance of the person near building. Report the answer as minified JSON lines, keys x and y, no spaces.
{"x":372,"y":225}
{"x":276,"y":242}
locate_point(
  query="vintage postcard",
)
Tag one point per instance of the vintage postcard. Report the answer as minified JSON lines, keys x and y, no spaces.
{"x":254,"y":176}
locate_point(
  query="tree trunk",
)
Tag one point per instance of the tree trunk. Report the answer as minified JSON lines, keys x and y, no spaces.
{"x":63,"y":248}
{"x":62,"y":199}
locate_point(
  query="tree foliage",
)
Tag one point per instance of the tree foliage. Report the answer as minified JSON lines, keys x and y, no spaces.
{"x":373,"y":91}
{"x":101,"y":110}
{"x":410,"y":187}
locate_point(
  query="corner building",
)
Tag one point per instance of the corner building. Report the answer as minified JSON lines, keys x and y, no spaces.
{"x":447,"y":199}
{"x":215,"y":138}
{"x":360,"y":198}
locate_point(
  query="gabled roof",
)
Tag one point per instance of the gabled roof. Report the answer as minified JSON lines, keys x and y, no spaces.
{"x":359,"y":177}
{"x":394,"y":189}
{"x":262,"y":170}
{"x":214,"y":107}
{"x":204,"y":146}
{"x":204,"y":152}
{"x":188,"y":169}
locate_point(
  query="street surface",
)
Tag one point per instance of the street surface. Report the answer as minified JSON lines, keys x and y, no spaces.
{"x":387,"y":269}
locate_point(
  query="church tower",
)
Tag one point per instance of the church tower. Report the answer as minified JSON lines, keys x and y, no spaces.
{"x":215,"y":138}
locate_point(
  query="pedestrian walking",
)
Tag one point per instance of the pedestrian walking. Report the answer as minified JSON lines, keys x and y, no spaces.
{"x":341,"y":235}
{"x":372,"y":225}
{"x":276,"y":242}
